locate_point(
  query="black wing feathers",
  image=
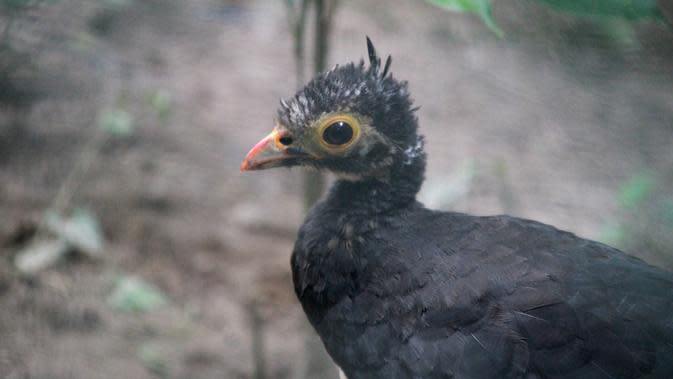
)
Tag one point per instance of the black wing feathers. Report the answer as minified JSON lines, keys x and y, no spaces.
{"x":446,"y":295}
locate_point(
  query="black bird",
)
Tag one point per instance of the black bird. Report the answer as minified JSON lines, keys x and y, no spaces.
{"x":396,"y":290}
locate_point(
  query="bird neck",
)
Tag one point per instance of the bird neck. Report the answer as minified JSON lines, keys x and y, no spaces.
{"x":375,"y":195}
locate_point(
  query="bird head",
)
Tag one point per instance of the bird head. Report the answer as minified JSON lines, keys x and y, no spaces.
{"x":354,"y":120}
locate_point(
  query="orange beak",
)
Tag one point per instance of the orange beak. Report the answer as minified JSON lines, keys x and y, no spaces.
{"x":267,"y":153}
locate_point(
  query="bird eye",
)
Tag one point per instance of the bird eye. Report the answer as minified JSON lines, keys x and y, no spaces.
{"x":285,"y":141}
{"x":338,"y":133}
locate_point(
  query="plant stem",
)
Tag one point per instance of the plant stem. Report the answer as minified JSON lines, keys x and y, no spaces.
{"x":257,"y":330}
{"x":298,"y":26}
{"x":314,"y":181}
{"x":75,"y":177}
{"x":324,"y":12}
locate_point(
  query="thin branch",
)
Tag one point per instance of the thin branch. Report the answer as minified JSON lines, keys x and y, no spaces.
{"x":314,"y":182}
{"x":300,"y":28}
{"x":257,"y":331}
{"x":297,"y":17}
{"x":76,"y":175}
{"x":322,"y":31}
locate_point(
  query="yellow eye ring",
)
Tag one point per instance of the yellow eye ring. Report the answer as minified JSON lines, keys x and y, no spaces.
{"x":338,"y":132}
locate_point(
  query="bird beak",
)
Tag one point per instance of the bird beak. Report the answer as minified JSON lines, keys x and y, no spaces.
{"x":268,"y":153}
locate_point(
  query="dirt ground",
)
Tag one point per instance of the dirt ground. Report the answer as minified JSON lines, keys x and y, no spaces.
{"x":548,"y":123}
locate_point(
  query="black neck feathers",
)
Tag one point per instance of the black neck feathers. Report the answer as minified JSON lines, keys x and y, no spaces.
{"x":394,"y":191}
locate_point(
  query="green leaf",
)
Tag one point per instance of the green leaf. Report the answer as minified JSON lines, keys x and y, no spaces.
{"x":40,"y":254}
{"x":481,"y":8}
{"x":620,"y":31}
{"x":162,"y":103}
{"x":153,"y":358}
{"x":132,"y":294}
{"x":636,"y":190}
{"x":81,"y":230}
{"x":628,"y":9}
{"x":117,"y":122}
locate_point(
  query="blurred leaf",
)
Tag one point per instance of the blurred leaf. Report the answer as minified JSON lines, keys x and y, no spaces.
{"x":40,"y":254}
{"x":620,"y":31}
{"x":613,"y":233}
{"x":117,"y":122}
{"x":132,"y":294}
{"x":628,"y":9}
{"x":481,"y":8}
{"x":161,"y":102}
{"x":152,"y":357}
{"x":17,"y":4}
{"x":81,"y":230}
{"x":82,"y":42}
{"x":636,"y":190}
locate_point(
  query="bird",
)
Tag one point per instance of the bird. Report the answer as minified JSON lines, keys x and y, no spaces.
{"x":397,"y":290}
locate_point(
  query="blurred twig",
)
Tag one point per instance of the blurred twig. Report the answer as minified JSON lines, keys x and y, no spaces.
{"x":318,"y":364}
{"x":90,"y":151}
{"x":314,"y":181}
{"x":257,"y":330}
{"x":76,"y":175}
{"x":297,"y":16}
{"x":324,"y":15}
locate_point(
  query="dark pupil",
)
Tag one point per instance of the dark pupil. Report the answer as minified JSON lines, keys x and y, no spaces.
{"x":338,"y":133}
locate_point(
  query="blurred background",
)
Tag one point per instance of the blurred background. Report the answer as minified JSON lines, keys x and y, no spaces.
{"x":132,"y":247}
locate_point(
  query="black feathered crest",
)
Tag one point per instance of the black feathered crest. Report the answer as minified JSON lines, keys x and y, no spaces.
{"x":375,"y":61}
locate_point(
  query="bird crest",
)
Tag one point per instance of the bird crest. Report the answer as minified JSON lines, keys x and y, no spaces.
{"x":375,"y":61}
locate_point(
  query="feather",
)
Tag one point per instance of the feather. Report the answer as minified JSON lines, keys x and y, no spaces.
{"x":374,"y":60}
{"x":387,"y":66}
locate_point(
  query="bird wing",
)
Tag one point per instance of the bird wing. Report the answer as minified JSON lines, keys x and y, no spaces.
{"x":451,"y":295}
